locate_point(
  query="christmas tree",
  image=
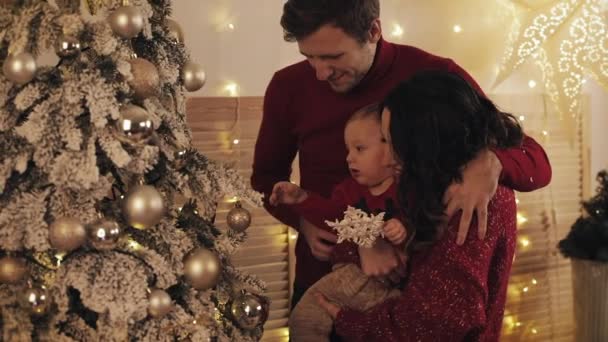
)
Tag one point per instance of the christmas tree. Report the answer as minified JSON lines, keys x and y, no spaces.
{"x":106,"y":212}
{"x":588,"y":238}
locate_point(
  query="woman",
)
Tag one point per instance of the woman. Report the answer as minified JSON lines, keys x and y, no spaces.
{"x":436,"y":123}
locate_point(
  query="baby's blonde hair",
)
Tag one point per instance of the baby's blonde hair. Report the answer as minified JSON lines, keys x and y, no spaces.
{"x":371,"y":111}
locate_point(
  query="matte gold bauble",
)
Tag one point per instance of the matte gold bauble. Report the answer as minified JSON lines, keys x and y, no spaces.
{"x":202,"y":269}
{"x":143,"y":207}
{"x":194,"y":76}
{"x":66,"y":234}
{"x":67,"y":46}
{"x":19,"y":68}
{"x":159,"y":303}
{"x":126,"y":21}
{"x":175,"y":31}
{"x":104,"y":234}
{"x":238,"y":218}
{"x":249,"y":311}
{"x":134,"y":125}
{"x":12,"y":270}
{"x":36,"y":300}
{"x":146,"y":81}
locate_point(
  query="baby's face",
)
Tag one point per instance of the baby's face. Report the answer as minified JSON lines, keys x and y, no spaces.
{"x":369,"y":158}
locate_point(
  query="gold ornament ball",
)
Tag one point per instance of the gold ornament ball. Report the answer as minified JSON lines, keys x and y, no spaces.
{"x":126,"y":21}
{"x":12,"y":270}
{"x":20,"y":68}
{"x":238,"y":218}
{"x":134,"y":125}
{"x":175,"y":31}
{"x":66,"y":234}
{"x":145,"y":82}
{"x":143,"y":207}
{"x":249,"y":311}
{"x":194,"y":76}
{"x":36,"y":300}
{"x":104,"y":234}
{"x":160,"y":303}
{"x":202,"y":269}
{"x":67,"y":46}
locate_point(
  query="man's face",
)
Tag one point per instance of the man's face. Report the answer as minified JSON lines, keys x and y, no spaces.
{"x":338,"y":58}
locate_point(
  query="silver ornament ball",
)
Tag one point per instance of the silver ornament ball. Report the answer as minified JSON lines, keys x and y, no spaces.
{"x":20,"y":68}
{"x":66,"y":234}
{"x":249,"y":311}
{"x":36,"y":300}
{"x":146,"y":81}
{"x":194,"y":76}
{"x":67,"y":46}
{"x":134,"y":125}
{"x":202,"y":269}
{"x":104,"y":234}
{"x":159,"y":304}
{"x":12,"y":270}
{"x":175,"y":31}
{"x":238,"y":218}
{"x":126,"y":21}
{"x":143,"y":207}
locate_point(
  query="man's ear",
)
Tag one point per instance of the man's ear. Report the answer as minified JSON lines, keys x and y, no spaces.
{"x":375,"y":31}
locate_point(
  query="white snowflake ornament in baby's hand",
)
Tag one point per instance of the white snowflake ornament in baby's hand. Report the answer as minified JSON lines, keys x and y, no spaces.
{"x":359,"y":227}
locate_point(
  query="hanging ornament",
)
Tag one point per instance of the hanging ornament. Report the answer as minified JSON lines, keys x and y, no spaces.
{"x":202,"y":269}
{"x":126,"y":21}
{"x":67,"y":46}
{"x":238,"y":218}
{"x":175,"y":31}
{"x":159,"y":303}
{"x":66,"y":234}
{"x":20,"y":68}
{"x":12,"y":270}
{"x":134,"y":125}
{"x":249,"y":311}
{"x":143,"y":207}
{"x":194,"y":76}
{"x":36,"y":300}
{"x":104,"y":234}
{"x":145,"y":81}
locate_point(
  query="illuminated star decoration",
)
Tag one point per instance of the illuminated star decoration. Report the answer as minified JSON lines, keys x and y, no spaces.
{"x":568,"y":40}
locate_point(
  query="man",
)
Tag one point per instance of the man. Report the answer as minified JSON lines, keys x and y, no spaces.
{"x":348,"y":65}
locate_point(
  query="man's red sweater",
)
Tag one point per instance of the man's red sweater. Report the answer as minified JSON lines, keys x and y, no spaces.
{"x":303,"y":114}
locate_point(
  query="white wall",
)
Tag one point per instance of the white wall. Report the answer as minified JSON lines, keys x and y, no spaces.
{"x":250,"y":53}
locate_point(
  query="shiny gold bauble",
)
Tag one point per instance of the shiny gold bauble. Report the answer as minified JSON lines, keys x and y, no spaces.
{"x":134,"y":125}
{"x":126,"y":21}
{"x":202,"y":269}
{"x":249,"y":311}
{"x":20,"y":68}
{"x":36,"y":300}
{"x":238,"y":218}
{"x":12,"y":270}
{"x":194,"y":76}
{"x":67,"y":46}
{"x":159,"y":303}
{"x":66,"y":234}
{"x":175,"y":31}
{"x":104,"y":234}
{"x":143,"y":207}
{"x":146,"y":81}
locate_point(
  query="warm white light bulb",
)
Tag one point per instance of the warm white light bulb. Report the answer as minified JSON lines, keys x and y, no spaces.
{"x":532,"y":83}
{"x":397,"y":31}
{"x":457,"y":29}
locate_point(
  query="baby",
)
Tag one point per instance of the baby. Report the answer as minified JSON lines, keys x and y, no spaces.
{"x":371,"y":189}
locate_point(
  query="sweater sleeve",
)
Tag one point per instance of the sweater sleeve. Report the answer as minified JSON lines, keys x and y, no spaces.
{"x":524,"y":168}
{"x":275,"y":149}
{"x":444,"y":299}
{"x":316,"y":209}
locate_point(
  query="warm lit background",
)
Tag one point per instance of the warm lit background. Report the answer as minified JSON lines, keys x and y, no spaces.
{"x":239,"y":42}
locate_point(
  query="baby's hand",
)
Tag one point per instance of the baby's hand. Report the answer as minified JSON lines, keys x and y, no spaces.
{"x":394,"y":231}
{"x":287,"y":193}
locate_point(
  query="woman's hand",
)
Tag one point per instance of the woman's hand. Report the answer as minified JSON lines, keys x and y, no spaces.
{"x":331,"y":308}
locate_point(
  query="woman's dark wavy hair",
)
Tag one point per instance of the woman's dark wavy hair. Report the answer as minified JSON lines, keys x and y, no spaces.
{"x":303,"y":17}
{"x":439,"y":122}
